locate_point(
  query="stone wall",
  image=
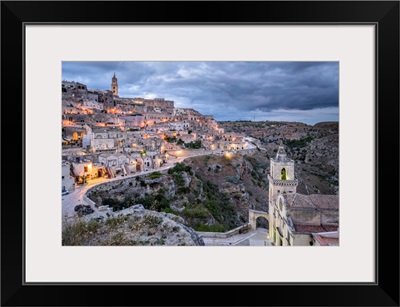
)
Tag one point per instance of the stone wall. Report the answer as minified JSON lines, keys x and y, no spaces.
{"x":241,"y":229}
{"x":302,"y":240}
{"x":306,"y":216}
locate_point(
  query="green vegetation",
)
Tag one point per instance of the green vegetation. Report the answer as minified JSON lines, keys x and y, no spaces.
{"x":195,"y":212}
{"x":155,"y":175}
{"x":179,"y":167}
{"x":299,"y":143}
{"x":119,"y":240}
{"x":170,"y":139}
{"x":152,"y":221}
{"x":206,"y":159}
{"x":114,"y":222}
{"x":203,"y":199}
{"x":78,"y":232}
{"x":178,"y":179}
{"x":193,"y":145}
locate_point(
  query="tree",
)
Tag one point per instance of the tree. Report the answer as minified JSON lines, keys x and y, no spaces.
{"x":84,"y":179}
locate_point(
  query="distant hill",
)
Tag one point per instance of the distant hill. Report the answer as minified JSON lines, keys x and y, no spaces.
{"x":327,"y":125}
{"x":314,"y":148}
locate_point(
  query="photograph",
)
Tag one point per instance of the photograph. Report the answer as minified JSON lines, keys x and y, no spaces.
{"x":201,"y":153}
{"x":216,"y":153}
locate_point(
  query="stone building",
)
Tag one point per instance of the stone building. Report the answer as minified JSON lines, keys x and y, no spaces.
{"x":294,"y":219}
{"x":93,"y":96}
{"x":107,"y":99}
{"x":101,"y":139}
{"x":67,"y":180}
{"x":164,"y":105}
{"x":297,"y":218}
{"x":74,"y":89}
{"x":133,"y":120}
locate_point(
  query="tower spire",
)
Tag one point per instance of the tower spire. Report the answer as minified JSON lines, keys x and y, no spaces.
{"x":281,"y":154}
{"x":114,"y":85}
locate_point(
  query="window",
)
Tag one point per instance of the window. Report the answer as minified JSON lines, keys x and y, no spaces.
{"x":283,"y":174}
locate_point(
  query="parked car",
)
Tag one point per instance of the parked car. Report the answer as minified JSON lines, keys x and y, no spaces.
{"x":78,"y":207}
{"x":65,"y":192}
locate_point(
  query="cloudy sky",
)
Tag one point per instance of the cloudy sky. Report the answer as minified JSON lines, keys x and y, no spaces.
{"x":283,"y":91}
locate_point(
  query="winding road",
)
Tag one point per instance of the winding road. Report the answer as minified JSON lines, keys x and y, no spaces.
{"x":77,"y":196}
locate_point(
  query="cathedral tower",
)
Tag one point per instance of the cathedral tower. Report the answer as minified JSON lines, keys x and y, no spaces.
{"x":114,"y":85}
{"x":281,"y":180}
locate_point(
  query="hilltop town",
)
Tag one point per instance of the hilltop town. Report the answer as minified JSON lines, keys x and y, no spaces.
{"x":104,"y":134}
{"x":190,"y":180}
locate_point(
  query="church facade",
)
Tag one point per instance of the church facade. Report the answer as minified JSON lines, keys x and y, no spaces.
{"x":297,"y":219}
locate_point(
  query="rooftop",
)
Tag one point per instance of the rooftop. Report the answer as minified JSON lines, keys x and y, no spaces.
{"x":316,"y":229}
{"x":314,"y":201}
{"x":327,"y":238}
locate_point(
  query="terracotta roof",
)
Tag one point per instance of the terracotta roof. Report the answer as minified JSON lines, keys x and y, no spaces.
{"x":309,"y":228}
{"x":327,"y":239}
{"x":330,"y":202}
{"x":315,"y":201}
{"x":330,"y":227}
{"x":331,"y":241}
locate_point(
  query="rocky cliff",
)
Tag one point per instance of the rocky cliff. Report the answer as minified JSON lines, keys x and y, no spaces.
{"x":131,"y":226}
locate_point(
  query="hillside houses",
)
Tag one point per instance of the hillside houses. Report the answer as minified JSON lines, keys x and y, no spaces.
{"x":130,"y":134}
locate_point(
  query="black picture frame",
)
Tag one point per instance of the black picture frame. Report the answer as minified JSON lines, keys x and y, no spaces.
{"x":383,"y":14}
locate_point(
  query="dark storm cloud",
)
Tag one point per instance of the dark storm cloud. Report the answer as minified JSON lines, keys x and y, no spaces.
{"x":233,"y":89}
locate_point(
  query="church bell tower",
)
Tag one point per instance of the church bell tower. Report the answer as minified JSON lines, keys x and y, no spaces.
{"x":114,"y":85}
{"x":281,"y":180}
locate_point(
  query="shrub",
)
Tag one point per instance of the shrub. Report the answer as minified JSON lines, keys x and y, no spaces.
{"x":196,"y":212}
{"x":178,"y":179}
{"x":93,"y":225}
{"x":155,"y":175}
{"x":299,"y":143}
{"x":183,"y":190}
{"x":233,"y":179}
{"x":152,"y":220}
{"x":169,"y":210}
{"x":74,"y":233}
{"x":193,"y":145}
{"x":179,"y":167}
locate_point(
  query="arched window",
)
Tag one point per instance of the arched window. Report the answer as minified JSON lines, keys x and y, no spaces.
{"x":283,"y":174}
